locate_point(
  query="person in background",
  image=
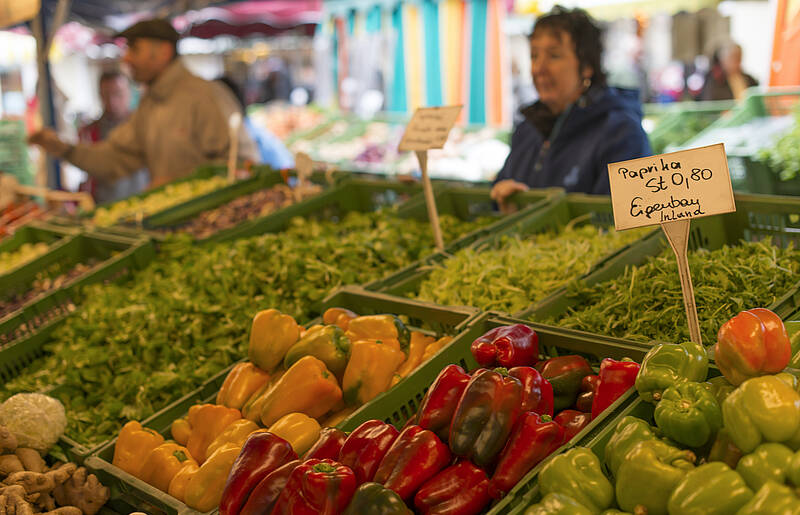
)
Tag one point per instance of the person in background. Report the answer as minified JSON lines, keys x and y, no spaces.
{"x":180,"y":124}
{"x":115,"y":96}
{"x":579,"y":124}
{"x":278,"y":84}
{"x":726,"y":80}
{"x":271,"y":151}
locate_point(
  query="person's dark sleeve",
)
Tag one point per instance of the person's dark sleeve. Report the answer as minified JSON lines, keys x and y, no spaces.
{"x":626,"y":140}
{"x":512,"y":161}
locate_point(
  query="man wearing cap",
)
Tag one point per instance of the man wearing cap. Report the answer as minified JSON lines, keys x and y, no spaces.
{"x":181,"y":121}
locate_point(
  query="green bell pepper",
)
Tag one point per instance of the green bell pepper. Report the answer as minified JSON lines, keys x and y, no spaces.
{"x":629,"y":432}
{"x":771,"y":499}
{"x":649,"y":474}
{"x":615,"y":512}
{"x":376,"y":499}
{"x":720,"y":388}
{"x":666,"y":364}
{"x":558,"y":504}
{"x":688,"y":414}
{"x":710,"y":489}
{"x":326,"y":343}
{"x":770,"y":461}
{"x":577,"y":473}
{"x":762,"y":409}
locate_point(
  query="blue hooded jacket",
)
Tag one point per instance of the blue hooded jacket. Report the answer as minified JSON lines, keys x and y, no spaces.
{"x":603,"y":126}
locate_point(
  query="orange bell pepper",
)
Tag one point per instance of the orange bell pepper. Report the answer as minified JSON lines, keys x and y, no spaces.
{"x":338,"y":316}
{"x":237,"y":432}
{"x":208,"y":421}
{"x":416,"y":348}
{"x":241,"y":382}
{"x":181,"y":430}
{"x":133,"y":445}
{"x":163,"y":463}
{"x":177,"y":487}
{"x":205,"y":487}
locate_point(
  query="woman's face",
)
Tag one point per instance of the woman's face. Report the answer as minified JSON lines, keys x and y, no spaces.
{"x":555,"y":69}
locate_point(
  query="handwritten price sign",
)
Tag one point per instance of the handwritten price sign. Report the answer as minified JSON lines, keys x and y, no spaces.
{"x":670,"y":187}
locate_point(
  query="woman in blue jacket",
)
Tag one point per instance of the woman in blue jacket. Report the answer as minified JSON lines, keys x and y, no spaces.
{"x":579,"y":124}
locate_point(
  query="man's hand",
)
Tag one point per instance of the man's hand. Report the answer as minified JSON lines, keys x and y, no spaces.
{"x":504,"y":189}
{"x":49,"y":141}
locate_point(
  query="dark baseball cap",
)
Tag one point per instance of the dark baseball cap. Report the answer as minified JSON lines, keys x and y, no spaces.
{"x":156,"y":28}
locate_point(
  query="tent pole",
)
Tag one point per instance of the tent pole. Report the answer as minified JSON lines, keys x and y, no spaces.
{"x":44,"y":92}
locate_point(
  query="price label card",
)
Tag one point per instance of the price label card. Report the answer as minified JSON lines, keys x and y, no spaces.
{"x":670,"y":187}
{"x":429,"y":128}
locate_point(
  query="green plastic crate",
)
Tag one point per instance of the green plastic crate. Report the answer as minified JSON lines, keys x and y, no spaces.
{"x":33,"y":232}
{"x":756,"y":217}
{"x":47,"y":311}
{"x":147,"y":498}
{"x":399,"y":404}
{"x":560,"y":211}
{"x":680,"y":122}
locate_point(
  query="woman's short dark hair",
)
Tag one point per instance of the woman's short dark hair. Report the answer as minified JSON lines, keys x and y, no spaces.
{"x":585,"y":34}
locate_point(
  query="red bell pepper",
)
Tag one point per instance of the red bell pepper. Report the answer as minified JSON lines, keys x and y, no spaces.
{"x":261,"y":454}
{"x":316,"y":487}
{"x":460,"y":489}
{"x":573,"y":422}
{"x":565,"y":373}
{"x":753,"y":343}
{"x":416,"y":456}
{"x":328,"y":445}
{"x":508,"y":346}
{"x":262,"y":498}
{"x":616,"y":377}
{"x":485,"y":416}
{"x":365,"y":448}
{"x":440,"y":401}
{"x":537,"y":392}
{"x":588,"y":391}
{"x":534,"y":438}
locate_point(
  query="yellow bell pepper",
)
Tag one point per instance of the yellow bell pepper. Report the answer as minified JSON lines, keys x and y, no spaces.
{"x":133,"y":445}
{"x":241,"y":382}
{"x":315,"y":327}
{"x":204,"y":489}
{"x":208,"y":421}
{"x":181,"y":430}
{"x":163,"y":463}
{"x":271,"y":335}
{"x":378,"y":327}
{"x":338,"y":417}
{"x":177,"y":487}
{"x":237,"y":432}
{"x":307,"y":387}
{"x":435,"y":347}
{"x":338,"y":316}
{"x":300,"y":430}
{"x":419,"y":342}
{"x":369,"y":371}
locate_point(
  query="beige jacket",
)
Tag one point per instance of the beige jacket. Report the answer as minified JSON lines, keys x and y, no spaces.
{"x":180,"y":124}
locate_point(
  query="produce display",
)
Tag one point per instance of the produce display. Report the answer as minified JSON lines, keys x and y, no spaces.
{"x":16,"y":214}
{"x":784,"y":155}
{"x":29,"y":426}
{"x":44,"y":282}
{"x":520,"y":270}
{"x":30,"y":326}
{"x":136,"y":346}
{"x":246,"y":207}
{"x":172,"y":195}
{"x":295,"y":379}
{"x":688,"y":126}
{"x":645,"y":302}
{"x":473,"y":438}
{"x":713,"y":445}
{"x":27,"y":252}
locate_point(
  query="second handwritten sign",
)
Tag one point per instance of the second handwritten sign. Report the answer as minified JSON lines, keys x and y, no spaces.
{"x":669,"y":187}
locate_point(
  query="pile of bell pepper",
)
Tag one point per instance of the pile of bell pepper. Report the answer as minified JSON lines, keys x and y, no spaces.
{"x":728,"y":444}
{"x":295,"y":379}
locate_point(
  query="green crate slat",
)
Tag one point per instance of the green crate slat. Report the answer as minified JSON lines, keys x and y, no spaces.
{"x":52,"y":306}
{"x":673,"y":116}
{"x":552,"y":217}
{"x":33,"y":232}
{"x":144,"y":496}
{"x":756,"y":217}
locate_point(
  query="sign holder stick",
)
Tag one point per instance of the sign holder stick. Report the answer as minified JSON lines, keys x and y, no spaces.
{"x":234,"y":123}
{"x":430,"y":201}
{"x":678,"y":235}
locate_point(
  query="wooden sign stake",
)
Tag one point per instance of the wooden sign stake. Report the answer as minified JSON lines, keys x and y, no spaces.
{"x":433,"y":214}
{"x":303,"y":165}
{"x":678,"y":235}
{"x":234,"y":122}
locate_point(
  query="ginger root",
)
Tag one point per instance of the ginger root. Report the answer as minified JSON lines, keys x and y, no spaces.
{"x":84,"y":491}
{"x":64,"y":510}
{"x":31,"y":482}
{"x":31,"y":459}
{"x":10,"y":464}
{"x":8,"y":442}
{"x":16,"y":502}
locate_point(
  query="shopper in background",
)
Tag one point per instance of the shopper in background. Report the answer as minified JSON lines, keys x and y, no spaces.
{"x":579,"y":124}
{"x":180,"y":124}
{"x":726,"y":80}
{"x":115,"y":96}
